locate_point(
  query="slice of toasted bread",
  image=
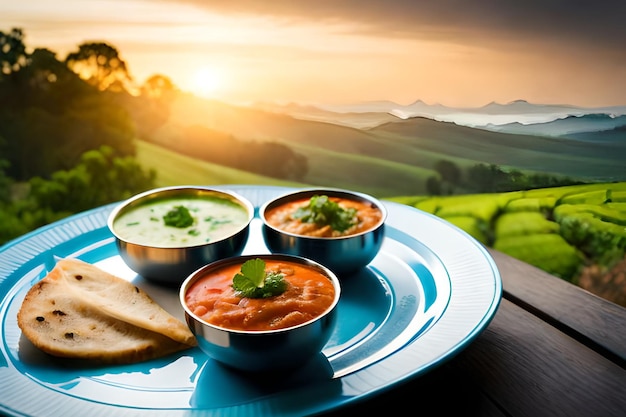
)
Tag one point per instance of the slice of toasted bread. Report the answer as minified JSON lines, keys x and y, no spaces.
{"x":81,"y":311}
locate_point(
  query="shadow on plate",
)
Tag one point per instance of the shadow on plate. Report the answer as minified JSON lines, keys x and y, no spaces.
{"x":221,"y":386}
{"x":50,"y":370}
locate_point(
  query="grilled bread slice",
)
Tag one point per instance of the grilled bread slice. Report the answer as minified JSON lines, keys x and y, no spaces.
{"x":81,"y":311}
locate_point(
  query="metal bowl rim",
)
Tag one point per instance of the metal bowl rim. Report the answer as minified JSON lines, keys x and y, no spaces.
{"x":197,"y":274}
{"x":294,"y":195}
{"x":136,"y":199}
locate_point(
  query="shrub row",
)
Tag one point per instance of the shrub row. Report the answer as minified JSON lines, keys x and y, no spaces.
{"x":557,"y":229}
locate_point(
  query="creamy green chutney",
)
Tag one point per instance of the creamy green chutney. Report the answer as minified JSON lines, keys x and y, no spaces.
{"x":214,"y":218}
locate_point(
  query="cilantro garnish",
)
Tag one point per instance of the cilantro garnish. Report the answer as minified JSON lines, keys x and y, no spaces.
{"x":322,"y":211}
{"x":254,"y":282}
{"x":179,"y":217}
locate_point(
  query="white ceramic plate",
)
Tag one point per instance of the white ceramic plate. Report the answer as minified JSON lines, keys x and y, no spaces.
{"x":429,"y":292}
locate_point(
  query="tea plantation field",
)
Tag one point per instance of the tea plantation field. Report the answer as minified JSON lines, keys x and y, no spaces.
{"x":559,"y":230}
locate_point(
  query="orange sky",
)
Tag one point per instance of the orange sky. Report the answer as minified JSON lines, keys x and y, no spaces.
{"x":454,"y":52}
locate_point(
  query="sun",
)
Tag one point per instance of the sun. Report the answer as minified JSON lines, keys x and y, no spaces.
{"x":206,"y":82}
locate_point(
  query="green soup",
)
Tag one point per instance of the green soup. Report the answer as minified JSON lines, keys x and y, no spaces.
{"x":213,"y":218}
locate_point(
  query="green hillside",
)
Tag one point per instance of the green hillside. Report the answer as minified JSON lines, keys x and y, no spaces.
{"x":396,"y":158}
{"x":600,"y":161}
{"x":176,"y":169}
{"x":363,"y":173}
{"x":337,"y":156}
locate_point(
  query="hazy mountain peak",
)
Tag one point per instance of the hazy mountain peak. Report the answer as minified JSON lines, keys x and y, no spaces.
{"x":374,"y":112}
{"x":516,"y":105}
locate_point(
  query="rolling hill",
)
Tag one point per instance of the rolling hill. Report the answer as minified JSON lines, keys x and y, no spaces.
{"x":593,"y":162}
{"x":176,"y":169}
{"x":396,"y":157}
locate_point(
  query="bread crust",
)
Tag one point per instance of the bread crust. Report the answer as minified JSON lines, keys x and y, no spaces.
{"x":81,"y":311}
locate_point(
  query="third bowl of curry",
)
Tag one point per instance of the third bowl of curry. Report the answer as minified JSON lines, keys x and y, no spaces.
{"x":343,"y":230}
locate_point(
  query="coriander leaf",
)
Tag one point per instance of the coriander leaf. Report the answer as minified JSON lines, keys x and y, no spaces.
{"x":274,"y":285}
{"x":254,"y":282}
{"x":179,"y":217}
{"x":254,"y":270}
{"x":323,"y":211}
{"x":243,"y":286}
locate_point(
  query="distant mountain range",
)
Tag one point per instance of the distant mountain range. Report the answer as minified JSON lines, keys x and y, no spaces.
{"x":594,"y":122}
{"x":518,"y":117}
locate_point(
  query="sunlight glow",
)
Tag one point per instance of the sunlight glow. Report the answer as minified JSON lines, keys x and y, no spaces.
{"x":207,"y":82}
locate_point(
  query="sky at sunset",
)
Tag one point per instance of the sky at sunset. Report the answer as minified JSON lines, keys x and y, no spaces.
{"x":463,"y":53}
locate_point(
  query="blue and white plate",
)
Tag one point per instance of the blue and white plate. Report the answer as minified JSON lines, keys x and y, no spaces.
{"x":429,"y":292}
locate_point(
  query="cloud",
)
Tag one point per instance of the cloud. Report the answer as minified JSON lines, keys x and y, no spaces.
{"x":599,"y":24}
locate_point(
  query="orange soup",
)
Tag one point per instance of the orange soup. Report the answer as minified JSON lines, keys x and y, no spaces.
{"x":281,"y":217}
{"x":213,"y":299}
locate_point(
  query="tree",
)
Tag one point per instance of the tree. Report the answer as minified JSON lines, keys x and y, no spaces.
{"x":449,"y":172}
{"x":157,"y":86}
{"x":433,"y":186}
{"x":45,"y":72}
{"x":43,"y":82}
{"x":52,"y":116}
{"x":101,"y":177}
{"x":12,"y":52}
{"x":486,"y":178}
{"x":151,"y":109}
{"x":5,"y":182}
{"x":100,"y":65}
{"x":481,"y":178}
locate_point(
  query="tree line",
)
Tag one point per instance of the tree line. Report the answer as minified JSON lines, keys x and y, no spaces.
{"x":68,"y":131}
{"x":66,"y":144}
{"x":487,"y":178}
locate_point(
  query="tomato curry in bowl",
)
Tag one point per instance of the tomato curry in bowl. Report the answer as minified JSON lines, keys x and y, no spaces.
{"x":340,"y":229}
{"x":261,"y":312}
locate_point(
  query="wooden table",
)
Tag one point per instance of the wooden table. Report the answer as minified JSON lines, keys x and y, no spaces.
{"x":552,"y":349}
